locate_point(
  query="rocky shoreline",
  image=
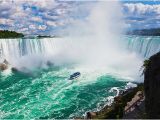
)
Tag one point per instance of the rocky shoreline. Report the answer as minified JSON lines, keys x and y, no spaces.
{"x":141,"y":102}
{"x":117,"y":109}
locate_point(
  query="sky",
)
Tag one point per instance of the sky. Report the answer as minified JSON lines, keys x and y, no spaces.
{"x":46,"y":17}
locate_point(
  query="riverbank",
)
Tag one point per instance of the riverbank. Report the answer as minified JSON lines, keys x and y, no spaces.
{"x":135,"y":109}
{"x":118,"y":107}
{"x":141,"y":102}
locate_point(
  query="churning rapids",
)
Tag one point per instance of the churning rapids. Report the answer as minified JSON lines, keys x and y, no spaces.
{"x":92,"y":45}
{"x":41,"y":89}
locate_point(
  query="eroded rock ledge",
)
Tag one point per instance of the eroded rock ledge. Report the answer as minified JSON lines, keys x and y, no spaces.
{"x":117,"y":109}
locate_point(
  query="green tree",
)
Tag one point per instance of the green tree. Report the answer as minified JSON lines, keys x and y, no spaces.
{"x":10,"y":34}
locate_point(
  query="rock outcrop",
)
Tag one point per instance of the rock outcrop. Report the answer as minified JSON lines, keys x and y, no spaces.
{"x":116,"y":110}
{"x":152,"y":86}
{"x":3,"y":66}
{"x":14,"y":69}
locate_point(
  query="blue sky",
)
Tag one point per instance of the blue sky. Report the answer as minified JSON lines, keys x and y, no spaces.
{"x":48,"y":16}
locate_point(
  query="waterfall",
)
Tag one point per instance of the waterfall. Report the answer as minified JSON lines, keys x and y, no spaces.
{"x":21,"y":52}
{"x":35,"y":52}
{"x":145,"y":46}
{"x":16,"y":48}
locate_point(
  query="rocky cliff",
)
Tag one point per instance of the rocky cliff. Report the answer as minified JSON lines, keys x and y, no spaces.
{"x":152,"y":86}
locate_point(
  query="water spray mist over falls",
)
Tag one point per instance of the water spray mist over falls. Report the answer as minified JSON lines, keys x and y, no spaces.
{"x":95,"y":41}
{"x":91,"y":43}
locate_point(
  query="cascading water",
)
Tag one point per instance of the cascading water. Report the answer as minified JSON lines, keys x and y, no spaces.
{"x":92,"y":47}
{"x":35,"y":53}
{"x":14,"y":49}
{"x":17,"y":51}
{"x":49,"y":94}
{"x":145,"y":46}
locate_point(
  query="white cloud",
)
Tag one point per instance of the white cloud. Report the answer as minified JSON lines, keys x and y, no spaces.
{"x":47,"y":16}
{"x":42,"y":27}
{"x":5,"y":21}
{"x":141,"y":16}
{"x":29,"y":15}
{"x":42,"y":15}
{"x":46,"y":4}
{"x":139,"y":8}
{"x":24,"y":29}
{"x":33,"y":27}
{"x":51,"y":23}
{"x":36,"y":19}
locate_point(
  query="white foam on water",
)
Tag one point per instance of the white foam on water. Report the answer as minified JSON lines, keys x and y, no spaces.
{"x":115,"y":89}
{"x":130,"y":85}
{"x":7,"y":72}
{"x":93,"y":42}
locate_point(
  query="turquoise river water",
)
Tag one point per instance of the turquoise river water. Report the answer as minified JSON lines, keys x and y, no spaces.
{"x":46,"y":92}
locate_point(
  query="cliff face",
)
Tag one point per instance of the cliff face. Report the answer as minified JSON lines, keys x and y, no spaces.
{"x":152,"y":87}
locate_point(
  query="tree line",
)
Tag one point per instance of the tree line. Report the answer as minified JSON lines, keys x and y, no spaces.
{"x":10,"y":34}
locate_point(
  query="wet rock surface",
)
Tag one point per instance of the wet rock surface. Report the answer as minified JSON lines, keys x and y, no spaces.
{"x":116,"y":110}
{"x":3,"y":66}
{"x":152,"y":87}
